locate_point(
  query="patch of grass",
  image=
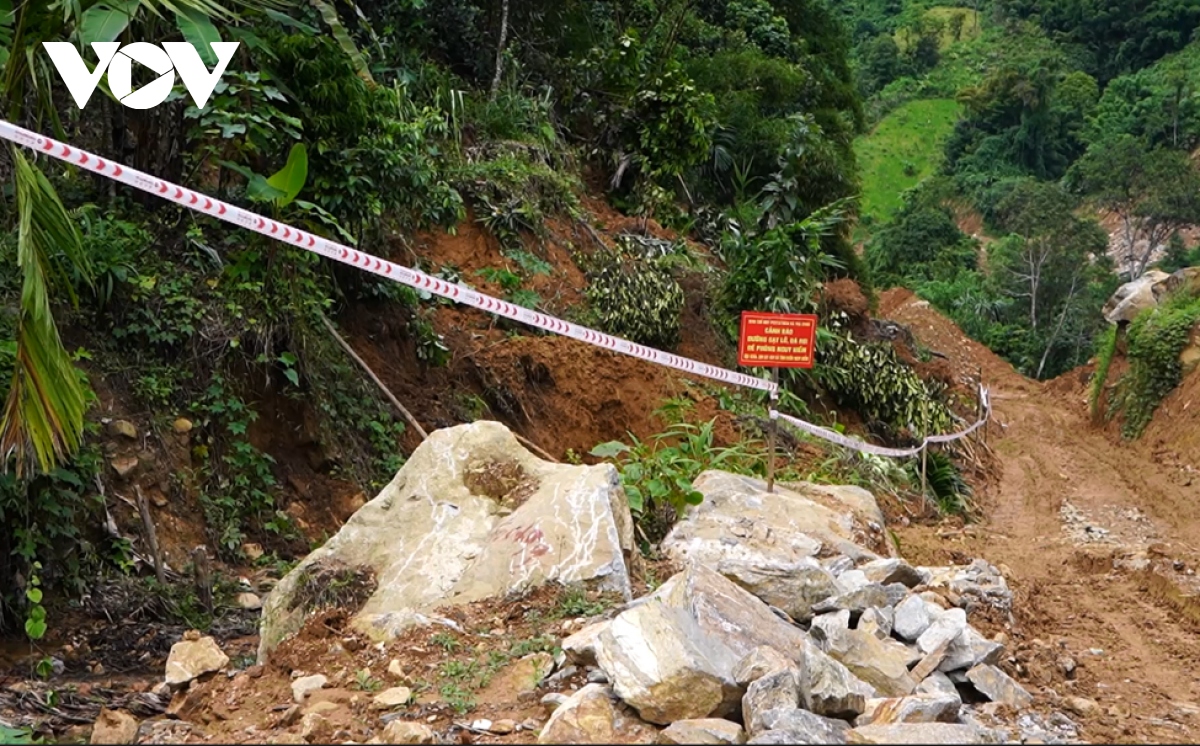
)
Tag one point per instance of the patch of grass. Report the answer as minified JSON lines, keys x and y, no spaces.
{"x":574,"y":602}
{"x":458,"y":698}
{"x":445,"y":641}
{"x":366,"y":682}
{"x":539,"y":644}
{"x":902,"y":150}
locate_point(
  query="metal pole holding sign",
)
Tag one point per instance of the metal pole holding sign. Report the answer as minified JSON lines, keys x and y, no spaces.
{"x":772,"y":428}
{"x":776,"y":340}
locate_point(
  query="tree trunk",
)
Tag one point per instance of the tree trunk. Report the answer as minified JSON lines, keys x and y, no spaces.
{"x":1057,"y":327}
{"x":500,"y":50}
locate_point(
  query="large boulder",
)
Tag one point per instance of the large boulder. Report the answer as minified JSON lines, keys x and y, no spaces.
{"x":591,"y":715}
{"x":471,"y":515}
{"x":1136,"y":296}
{"x":749,"y":531}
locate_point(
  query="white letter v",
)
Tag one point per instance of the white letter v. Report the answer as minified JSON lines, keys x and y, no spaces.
{"x":74,"y":72}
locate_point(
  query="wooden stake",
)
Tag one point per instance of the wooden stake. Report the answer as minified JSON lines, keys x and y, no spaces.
{"x":203,"y":570}
{"x":924,"y":492}
{"x":400,"y":407}
{"x":387,"y":392}
{"x":772,"y":427}
{"x":151,"y":535}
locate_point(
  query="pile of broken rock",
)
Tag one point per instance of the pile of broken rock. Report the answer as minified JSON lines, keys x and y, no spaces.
{"x":792,"y":621}
{"x":851,"y":647}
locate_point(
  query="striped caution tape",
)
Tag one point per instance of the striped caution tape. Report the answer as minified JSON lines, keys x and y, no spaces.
{"x":413,"y":278}
{"x":338,"y":252}
{"x":858,"y":445}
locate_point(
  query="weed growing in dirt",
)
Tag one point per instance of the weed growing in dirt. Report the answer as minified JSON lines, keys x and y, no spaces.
{"x":446,"y":641}
{"x":366,"y":682}
{"x":574,"y":602}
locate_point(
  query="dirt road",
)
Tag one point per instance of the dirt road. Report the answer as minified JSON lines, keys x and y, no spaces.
{"x":1098,"y":539}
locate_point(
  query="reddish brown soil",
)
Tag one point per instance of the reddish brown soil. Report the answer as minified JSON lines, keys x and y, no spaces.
{"x":1069,"y":599}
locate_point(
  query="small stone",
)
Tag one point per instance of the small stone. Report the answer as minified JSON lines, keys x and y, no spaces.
{"x":596,"y":676}
{"x":503,"y":727}
{"x":397,"y":696}
{"x":192,"y":658}
{"x":530,"y":724}
{"x":826,"y":626}
{"x":396,"y":671}
{"x":407,"y":732}
{"x":306,"y":685}
{"x":554,"y":700}
{"x":252,"y":551}
{"x":315,"y":728}
{"x":1082,"y":706}
{"x":114,"y":727}
{"x":937,"y":683}
{"x":323,"y":708}
{"x":182,"y":426}
{"x":123,"y":428}
{"x":249,"y":601}
{"x":712,"y":731}
{"x":290,"y":717}
{"x":999,"y":687}
{"x":1066,"y":664}
{"x":124,"y":465}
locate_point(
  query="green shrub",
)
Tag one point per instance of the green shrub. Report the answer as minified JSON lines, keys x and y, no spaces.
{"x":636,"y":298}
{"x":1106,"y":348}
{"x":1156,"y":339}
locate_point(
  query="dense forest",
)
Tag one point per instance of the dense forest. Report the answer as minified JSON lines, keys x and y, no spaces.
{"x":745,"y":126}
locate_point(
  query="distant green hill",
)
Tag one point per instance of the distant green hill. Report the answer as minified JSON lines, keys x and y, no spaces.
{"x":904,"y":148}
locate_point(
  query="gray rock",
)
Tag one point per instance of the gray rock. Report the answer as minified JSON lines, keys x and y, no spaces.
{"x":970,"y":649}
{"x":828,"y":624}
{"x":740,"y":520}
{"x":923,"y":733}
{"x":702,"y":731}
{"x":761,"y":661}
{"x":877,"y":621}
{"x":944,"y":628}
{"x":856,"y":601}
{"x":306,"y":685}
{"x":795,"y":737}
{"x":881,"y":663}
{"x":439,"y":534}
{"x":794,"y":587}
{"x":191,"y":659}
{"x":979,"y":583}
{"x":918,"y":708}
{"x":838,"y":565}
{"x":828,"y":688}
{"x":999,"y":686}
{"x":817,"y":729}
{"x":591,"y":715}
{"x":892,"y":570}
{"x":912,"y":617}
{"x":937,"y":683}
{"x":775,"y":691}
{"x":896,"y":592}
{"x":851,"y":580}
{"x":673,"y":657}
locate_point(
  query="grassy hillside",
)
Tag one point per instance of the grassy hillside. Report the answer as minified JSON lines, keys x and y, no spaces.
{"x":902,"y":150}
{"x":943,"y":14}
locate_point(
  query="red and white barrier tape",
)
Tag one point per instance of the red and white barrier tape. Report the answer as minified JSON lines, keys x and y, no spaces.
{"x":338,"y":252}
{"x":858,"y":445}
{"x":421,"y":281}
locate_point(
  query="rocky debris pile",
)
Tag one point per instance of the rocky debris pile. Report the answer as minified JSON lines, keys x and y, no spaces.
{"x":471,"y":515}
{"x":792,"y":620}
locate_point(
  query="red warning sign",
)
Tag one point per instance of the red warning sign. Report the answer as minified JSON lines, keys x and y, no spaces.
{"x":777,"y":340}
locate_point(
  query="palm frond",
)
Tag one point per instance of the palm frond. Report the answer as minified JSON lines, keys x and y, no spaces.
{"x":46,"y":400}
